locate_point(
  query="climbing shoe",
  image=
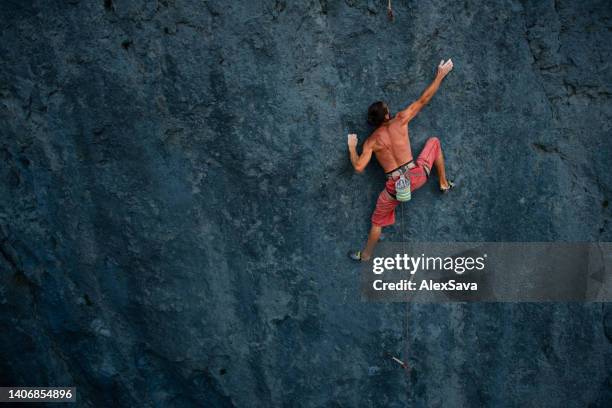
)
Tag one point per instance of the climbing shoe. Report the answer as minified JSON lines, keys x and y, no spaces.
{"x":449,"y":188}
{"x":355,"y":255}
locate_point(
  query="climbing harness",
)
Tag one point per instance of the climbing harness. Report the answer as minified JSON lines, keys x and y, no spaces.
{"x":393,"y":174}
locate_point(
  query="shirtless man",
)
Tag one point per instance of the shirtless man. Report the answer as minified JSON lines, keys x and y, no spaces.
{"x":391,"y":145}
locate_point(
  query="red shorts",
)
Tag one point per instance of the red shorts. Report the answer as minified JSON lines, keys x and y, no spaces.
{"x":384,"y":213}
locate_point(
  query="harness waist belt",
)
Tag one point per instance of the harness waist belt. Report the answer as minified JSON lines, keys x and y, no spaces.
{"x":400,"y":170}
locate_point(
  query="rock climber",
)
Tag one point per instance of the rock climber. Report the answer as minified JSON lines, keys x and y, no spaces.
{"x":390,"y":143}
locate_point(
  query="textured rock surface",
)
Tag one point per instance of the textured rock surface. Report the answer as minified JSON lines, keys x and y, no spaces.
{"x":176,"y":198}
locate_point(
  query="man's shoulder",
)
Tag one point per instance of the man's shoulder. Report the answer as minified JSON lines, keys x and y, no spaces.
{"x":374,"y":139}
{"x":375,"y":135}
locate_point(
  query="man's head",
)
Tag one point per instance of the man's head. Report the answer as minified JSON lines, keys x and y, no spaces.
{"x":378,"y":113}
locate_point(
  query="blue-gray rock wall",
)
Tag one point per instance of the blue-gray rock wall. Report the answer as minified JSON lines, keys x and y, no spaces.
{"x":177,"y":200}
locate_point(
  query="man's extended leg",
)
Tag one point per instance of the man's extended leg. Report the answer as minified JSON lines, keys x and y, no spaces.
{"x":373,"y":238}
{"x":384,"y":214}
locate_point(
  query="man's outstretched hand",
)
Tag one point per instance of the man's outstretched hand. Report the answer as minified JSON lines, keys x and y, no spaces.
{"x":444,"y":68}
{"x":352,"y":140}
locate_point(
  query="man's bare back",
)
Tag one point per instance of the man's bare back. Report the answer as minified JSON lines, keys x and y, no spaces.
{"x":392,"y":145}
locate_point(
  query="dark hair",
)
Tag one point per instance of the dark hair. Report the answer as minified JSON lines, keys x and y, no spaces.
{"x":377,"y":112}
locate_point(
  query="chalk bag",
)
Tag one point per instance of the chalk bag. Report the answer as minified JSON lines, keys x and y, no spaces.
{"x":402,"y":189}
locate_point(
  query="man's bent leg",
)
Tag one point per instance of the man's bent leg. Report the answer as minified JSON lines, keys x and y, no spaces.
{"x":439,"y":164}
{"x":373,"y":238}
{"x":432,"y":156}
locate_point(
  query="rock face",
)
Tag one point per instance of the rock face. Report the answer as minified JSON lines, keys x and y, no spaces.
{"x":177,"y":200}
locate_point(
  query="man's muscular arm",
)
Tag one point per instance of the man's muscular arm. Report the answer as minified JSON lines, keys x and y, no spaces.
{"x":359,"y":161}
{"x":411,"y":111}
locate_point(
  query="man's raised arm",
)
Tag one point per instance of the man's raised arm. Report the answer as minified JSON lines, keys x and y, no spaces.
{"x":411,"y":111}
